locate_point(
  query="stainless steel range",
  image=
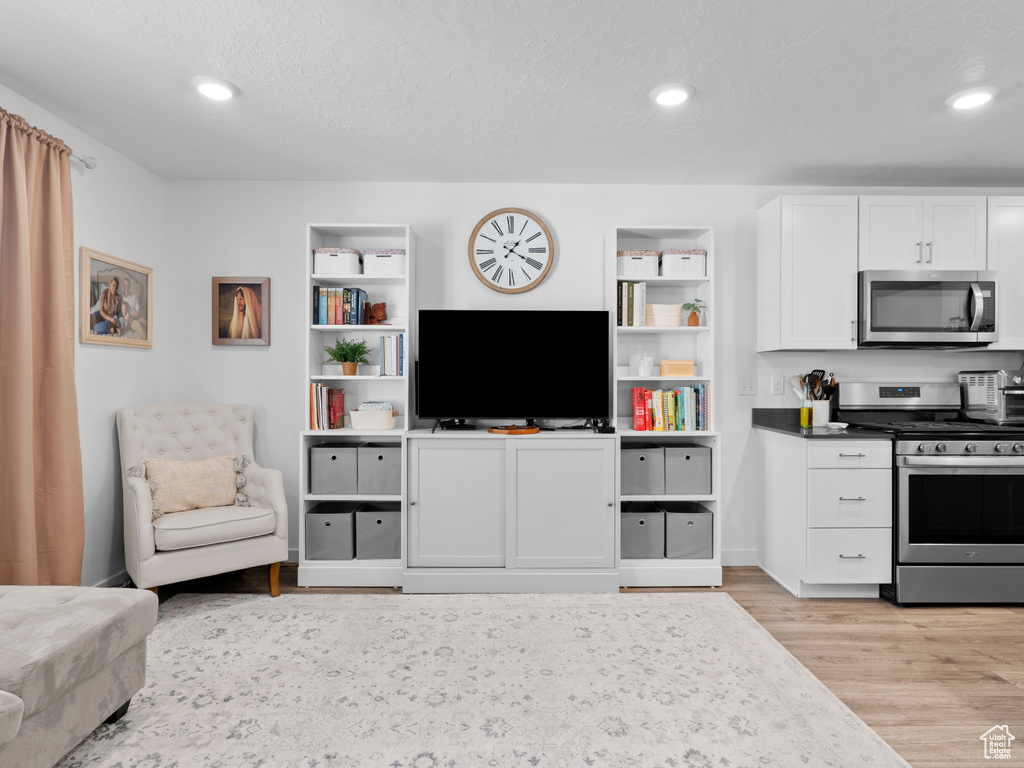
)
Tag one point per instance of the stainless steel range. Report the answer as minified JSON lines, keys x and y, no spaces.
{"x":958,"y":495}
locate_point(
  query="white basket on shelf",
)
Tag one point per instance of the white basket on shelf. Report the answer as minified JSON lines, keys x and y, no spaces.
{"x":373,"y":419}
{"x":636,"y":264}
{"x":683,"y":262}
{"x":337,"y":261}
{"x":384,"y":261}
{"x":664,"y":314}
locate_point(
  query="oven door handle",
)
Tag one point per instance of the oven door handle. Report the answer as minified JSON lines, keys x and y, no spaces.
{"x":978,"y":305}
{"x":961,"y":462}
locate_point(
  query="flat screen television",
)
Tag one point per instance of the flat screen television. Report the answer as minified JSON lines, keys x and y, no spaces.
{"x":513,"y":364}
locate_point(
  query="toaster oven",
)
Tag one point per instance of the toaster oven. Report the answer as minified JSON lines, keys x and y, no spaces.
{"x":996,"y":397}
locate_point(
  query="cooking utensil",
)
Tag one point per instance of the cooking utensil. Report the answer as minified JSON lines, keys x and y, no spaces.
{"x":814,"y":382}
{"x":799,"y":387}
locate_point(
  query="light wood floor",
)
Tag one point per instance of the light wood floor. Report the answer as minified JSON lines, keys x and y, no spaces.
{"x":929,"y":681}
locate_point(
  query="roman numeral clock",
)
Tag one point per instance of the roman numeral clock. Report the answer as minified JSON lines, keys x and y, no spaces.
{"x":511,"y":250}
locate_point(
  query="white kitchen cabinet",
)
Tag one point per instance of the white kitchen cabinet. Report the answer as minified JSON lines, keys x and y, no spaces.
{"x":1006,"y":257}
{"x":807,"y":273}
{"x":491,"y":513}
{"x":826,"y":522}
{"x":457,"y":503}
{"x":904,"y":232}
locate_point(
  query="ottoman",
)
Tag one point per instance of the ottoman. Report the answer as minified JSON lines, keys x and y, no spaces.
{"x":70,"y":659}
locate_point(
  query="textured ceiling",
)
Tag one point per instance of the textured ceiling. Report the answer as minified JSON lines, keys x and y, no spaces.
{"x":828,"y":92}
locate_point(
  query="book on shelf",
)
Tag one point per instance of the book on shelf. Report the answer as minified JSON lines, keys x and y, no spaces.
{"x":391,"y":352}
{"x":631,"y":304}
{"x":326,"y":406}
{"x":683,"y":409}
{"x":340,"y":306}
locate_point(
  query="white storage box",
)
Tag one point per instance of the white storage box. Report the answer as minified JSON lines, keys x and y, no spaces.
{"x":664,"y":314}
{"x":373,"y":419}
{"x":384,"y":261}
{"x":337,"y":261}
{"x":636,"y":264}
{"x":678,"y":262}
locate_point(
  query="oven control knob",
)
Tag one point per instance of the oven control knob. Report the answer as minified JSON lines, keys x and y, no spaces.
{"x":941,"y":448}
{"x":971,"y":447}
{"x":924,"y":447}
{"x":1018,"y":447}
{"x":1002,"y":447}
{"x":1017,"y":380}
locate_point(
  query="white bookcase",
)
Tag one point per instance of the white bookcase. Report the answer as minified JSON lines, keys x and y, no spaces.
{"x":367,"y":384}
{"x":668,"y":343}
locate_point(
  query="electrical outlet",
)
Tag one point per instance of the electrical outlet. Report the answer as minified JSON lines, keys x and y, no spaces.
{"x":778,"y":382}
{"x":746,"y":385}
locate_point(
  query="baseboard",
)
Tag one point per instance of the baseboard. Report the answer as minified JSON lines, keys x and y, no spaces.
{"x":114,"y":581}
{"x":739,"y":557}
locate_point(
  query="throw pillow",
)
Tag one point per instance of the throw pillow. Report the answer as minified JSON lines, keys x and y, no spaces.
{"x":177,"y":486}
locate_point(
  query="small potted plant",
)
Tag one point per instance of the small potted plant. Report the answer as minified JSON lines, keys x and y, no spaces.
{"x":348,"y":354}
{"x":696,"y":307}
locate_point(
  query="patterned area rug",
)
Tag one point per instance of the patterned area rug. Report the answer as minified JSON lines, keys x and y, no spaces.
{"x":453,"y":681}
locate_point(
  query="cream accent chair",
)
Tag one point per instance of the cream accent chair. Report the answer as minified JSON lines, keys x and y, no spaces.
{"x":199,"y":542}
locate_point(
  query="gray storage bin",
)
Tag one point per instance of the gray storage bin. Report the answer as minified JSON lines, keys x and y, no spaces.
{"x":331,"y":531}
{"x":687,"y":469}
{"x":642,"y":531}
{"x":689,"y":531}
{"x":332,"y":469}
{"x":380,"y":468}
{"x":379,"y":531}
{"x":643,"y":470}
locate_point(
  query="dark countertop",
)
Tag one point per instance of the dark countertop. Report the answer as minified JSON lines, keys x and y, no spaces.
{"x":787,"y":422}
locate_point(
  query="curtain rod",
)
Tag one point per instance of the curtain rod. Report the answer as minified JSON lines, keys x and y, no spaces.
{"x":88,"y":162}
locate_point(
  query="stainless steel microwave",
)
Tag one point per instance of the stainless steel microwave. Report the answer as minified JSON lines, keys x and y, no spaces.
{"x":922,"y":308}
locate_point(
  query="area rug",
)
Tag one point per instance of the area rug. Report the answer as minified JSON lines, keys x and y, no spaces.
{"x":454,"y":681}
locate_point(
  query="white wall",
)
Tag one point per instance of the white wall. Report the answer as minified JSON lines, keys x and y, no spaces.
{"x":258,"y":229}
{"x":119,"y":209}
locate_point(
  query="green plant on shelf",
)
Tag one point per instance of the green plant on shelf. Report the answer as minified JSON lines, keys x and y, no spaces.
{"x":696,"y":306}
{"x":345,"y":351}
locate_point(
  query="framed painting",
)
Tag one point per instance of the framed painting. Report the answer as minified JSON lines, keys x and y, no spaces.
{"x":115,"y":301}
{"x":241,"y":311}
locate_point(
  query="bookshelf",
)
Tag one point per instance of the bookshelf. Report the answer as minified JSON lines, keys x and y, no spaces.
{"x":667,"y":343}
{"x":367,"y":384}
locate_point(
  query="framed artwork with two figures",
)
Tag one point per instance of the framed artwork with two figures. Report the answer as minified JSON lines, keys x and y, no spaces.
{"x":115,"y":302}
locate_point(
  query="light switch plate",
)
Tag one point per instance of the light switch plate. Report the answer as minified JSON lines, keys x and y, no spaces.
{"x":746,"y":385}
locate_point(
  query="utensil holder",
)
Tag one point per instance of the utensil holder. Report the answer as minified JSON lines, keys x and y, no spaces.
{"x":821,"y":412}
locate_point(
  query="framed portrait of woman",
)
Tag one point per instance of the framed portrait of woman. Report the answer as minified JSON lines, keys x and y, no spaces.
{"x":241,"y":311}
{"x":115,"y":301}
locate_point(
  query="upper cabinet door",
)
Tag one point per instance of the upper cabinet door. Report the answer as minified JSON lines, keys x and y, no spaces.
{"x":954,"y":233}
{"x":890,"y":232}
{"x":1006,"y":256}
{"x":818,"y":265}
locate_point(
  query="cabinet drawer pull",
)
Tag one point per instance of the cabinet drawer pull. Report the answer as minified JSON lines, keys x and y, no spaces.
{"x":852,"y":455}
{"x":853,"y":557}
{"x":920,"y":253}
{"x":852,"y":498}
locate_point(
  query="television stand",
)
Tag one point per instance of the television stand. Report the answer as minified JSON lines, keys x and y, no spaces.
{"x":451,"y":424}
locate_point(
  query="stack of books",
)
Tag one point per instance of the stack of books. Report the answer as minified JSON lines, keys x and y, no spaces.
{"x":683,"y":409}
{"x":340,"y":306}
{"x":326,"y":407}
{"x":392,"y":354}
{"x":631,"y":304}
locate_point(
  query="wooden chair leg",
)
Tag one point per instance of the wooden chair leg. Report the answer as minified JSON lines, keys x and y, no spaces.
{"x":273,"y":570}
{"x":154,"y":590}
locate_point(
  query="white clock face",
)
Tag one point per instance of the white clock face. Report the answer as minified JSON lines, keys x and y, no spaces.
{"x":511,"y":250}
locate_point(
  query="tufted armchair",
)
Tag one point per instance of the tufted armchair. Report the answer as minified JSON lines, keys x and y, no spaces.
{"x":198,"y":542}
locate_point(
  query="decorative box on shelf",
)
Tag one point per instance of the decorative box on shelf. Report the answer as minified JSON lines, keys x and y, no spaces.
{"x":337,"y":261}
{"x":664,"y":314}
{"x":373,"y":419}
{"x":677,"y":368}
{"x":636,"y":264}
{"x":683,"y":262}
{"x":384,"y":261}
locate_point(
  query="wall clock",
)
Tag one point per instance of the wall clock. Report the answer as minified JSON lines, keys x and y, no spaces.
{"x":511,"y":250}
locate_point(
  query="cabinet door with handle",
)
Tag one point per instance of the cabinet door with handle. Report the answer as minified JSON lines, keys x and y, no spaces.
{"x":890,"y":232}
{"x":565,"y":503}
{"x":954,"y":232}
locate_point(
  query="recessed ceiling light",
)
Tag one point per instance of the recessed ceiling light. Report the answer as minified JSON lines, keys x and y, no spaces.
{"x":971,"y":98}
{"x":215,"y":88}
{"x":671,"y":94}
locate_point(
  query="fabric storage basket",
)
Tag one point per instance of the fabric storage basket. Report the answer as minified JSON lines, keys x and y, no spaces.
{"x":683,"y":262}
{"x":337,"y":261}
{"x":373,"y":419}
{"x":642,"y":531}
{"x":688,"y":531}
{"x":636,"y":264}
{"x":331,"y":531}
{"x":332,"y":469}
{"x":664,"y":314}
{"x":384,"y":261}
{"x":379,"y":531}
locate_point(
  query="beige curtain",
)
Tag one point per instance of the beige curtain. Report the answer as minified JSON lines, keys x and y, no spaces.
{"x":41,"y":509}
